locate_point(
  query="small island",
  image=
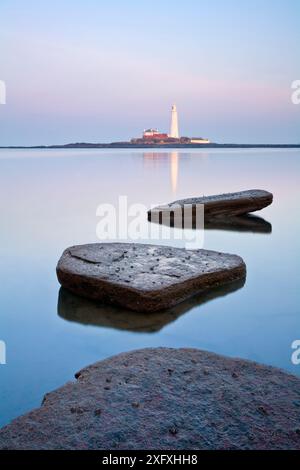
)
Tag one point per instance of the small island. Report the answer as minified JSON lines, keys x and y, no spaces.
{"x":153,"y":138}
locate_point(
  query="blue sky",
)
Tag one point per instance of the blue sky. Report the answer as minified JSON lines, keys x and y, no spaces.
{"x":104,"y":70}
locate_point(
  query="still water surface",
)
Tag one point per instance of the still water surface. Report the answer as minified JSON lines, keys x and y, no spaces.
{"x":49,"y":200}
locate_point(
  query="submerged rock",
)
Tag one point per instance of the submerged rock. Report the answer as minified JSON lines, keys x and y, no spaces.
{"x":165,"y":399}
{"x":231,"y":204}
{"x":144,"y":278}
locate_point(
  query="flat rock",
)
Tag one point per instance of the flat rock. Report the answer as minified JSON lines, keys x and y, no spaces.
{"x":165,"y":399}
{"x":231,"y":204}
{"x":144,"y":278}
{"x":77,"y":309}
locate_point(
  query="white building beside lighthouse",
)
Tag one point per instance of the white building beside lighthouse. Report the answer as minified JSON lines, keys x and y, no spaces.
{"x":174,"y":132}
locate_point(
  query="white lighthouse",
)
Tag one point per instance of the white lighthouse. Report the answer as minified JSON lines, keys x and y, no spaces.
{"x":174,"y":132}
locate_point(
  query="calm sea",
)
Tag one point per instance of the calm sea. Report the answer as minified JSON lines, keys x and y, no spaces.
{"x":49,"y":200}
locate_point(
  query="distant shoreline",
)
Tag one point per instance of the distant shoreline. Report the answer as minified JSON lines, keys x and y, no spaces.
{"x":128,"y":145}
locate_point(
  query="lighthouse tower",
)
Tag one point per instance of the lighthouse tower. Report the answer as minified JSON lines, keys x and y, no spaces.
{"x":174,"y":123}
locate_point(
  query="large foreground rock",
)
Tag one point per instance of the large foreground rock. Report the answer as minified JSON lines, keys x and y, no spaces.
{"x":145,"y":278}
{"x":165,"y":399}
{"x":231,"y":204}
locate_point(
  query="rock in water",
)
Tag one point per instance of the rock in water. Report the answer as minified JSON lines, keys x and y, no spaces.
{"x":165,"y":399}
{"x":231,"y":204}
{"x":145,"y":278}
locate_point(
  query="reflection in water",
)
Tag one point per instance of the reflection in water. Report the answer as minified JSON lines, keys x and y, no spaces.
{"x":243,"y":223}
{"x":156,"y":158}
{"x":174,"y":171}
{"x":88,"y":312}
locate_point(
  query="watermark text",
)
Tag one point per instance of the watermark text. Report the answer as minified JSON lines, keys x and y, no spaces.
{"x":2,"y":352}
{"x":123,"y":222}
{"x":296,"y":354}
{"x":296,"y":93}
{"x":2,"y":92}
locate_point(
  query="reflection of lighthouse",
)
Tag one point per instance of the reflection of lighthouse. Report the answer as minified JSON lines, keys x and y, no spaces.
{"x":174,"y":123}
{"x":174,"y":171}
